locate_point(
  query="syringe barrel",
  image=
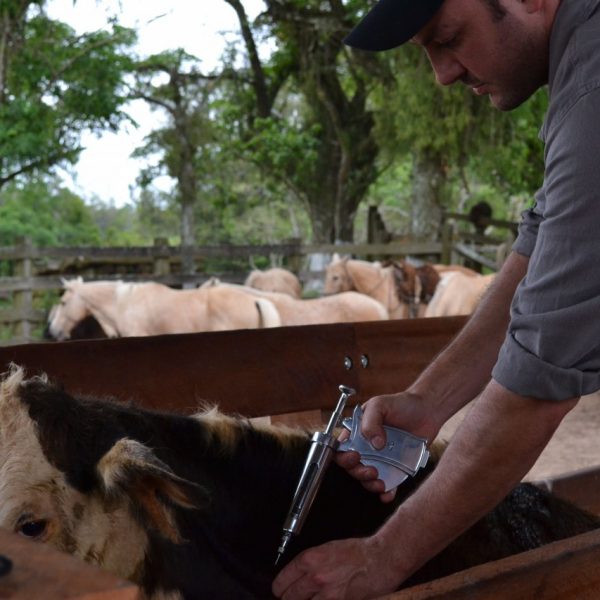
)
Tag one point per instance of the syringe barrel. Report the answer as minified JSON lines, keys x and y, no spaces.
{"x":323,"y":446}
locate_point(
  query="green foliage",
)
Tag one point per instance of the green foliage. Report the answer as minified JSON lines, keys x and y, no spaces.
{"x":285,"y":149}
{"x":51,"y":215}
{"x":483,"y":154}
{"x":47,"y":213}
{"x":257,"y":168}
{"x":508,"y":152}
{"x":56,"y":85}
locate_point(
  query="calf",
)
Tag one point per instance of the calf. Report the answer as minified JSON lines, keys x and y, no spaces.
{"x":192,"y":506}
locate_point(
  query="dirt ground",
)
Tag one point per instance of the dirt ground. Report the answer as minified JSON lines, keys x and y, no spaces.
{"x":575,"y":445}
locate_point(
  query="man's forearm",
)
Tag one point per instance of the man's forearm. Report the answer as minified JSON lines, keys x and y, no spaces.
{"x":493,"y":449}
{"x":461,"y":371}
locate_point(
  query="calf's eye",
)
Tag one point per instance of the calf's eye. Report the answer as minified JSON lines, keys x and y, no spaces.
{"x":33,"y":528}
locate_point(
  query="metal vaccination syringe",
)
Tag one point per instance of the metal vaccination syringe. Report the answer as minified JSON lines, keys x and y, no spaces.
{"x":323,"y":445}
{"x":402,"y":456}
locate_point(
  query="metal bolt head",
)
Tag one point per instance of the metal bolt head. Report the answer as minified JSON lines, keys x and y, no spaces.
{"x":347,"y":390}
{"x":364,"y":361}
{"x":347,"y":363}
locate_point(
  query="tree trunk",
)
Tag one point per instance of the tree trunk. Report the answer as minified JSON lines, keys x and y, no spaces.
{"x":188,"y":265}
{"x":428,"y":180}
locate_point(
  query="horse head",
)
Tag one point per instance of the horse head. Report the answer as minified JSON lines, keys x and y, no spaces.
{"x":70,"y":311}
{"x":337,"y":278}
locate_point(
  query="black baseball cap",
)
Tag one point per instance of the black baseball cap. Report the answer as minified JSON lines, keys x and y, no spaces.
{"x":391,"y":23}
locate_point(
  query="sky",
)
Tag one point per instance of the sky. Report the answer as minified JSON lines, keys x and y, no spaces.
{"x":202,"y":27}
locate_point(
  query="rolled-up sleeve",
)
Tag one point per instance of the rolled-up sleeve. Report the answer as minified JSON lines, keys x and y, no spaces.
{"x":529,"y":226}
{"x":552,"y":347}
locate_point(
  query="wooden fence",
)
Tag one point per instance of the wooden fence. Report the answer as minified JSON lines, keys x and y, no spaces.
{"x":35,"y":270}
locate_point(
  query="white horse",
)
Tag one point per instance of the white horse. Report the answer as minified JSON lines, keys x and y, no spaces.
{"x":458,"y":294}
{"x":138,"y":309}
{"x":346,"y":307}
{"x":275,"y":280}
{"x":403,"y":289}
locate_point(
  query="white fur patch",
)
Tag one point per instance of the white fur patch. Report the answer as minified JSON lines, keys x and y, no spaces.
{"x":32,"y":489}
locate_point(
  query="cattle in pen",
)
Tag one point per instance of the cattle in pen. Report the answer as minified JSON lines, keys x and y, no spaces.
{"x":192,"y":506}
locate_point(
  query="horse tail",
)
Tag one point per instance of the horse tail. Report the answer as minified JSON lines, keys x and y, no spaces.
{"x":268,"y":315}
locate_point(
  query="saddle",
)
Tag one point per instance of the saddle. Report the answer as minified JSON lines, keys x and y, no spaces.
{"x":414,"y":285}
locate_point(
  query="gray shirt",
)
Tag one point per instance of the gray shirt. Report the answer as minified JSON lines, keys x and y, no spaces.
{"x":552,"y":347}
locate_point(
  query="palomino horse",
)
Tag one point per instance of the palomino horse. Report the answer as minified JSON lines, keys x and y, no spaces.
{"x":346,"y":307}
{"x":137,"y":309}
{"x":458,"y":294}
{"x":86,"y":328}
{"x":275,"y":280}
{"x":397,"y":286}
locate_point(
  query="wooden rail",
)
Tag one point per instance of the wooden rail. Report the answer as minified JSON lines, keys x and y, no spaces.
{"x":564,"y":570}
{"x":254,"y":372}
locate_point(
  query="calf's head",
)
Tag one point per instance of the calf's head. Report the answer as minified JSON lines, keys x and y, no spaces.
{"x":86,"y":490}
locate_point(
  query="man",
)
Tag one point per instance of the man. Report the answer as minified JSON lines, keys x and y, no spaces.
{"x":533,"y":346}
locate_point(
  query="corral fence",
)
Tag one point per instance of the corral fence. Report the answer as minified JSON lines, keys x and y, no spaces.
{"x":31,"y":271}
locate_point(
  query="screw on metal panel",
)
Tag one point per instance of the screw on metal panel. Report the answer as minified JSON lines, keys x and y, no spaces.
{"x":364,"y":361}
{"x":347,"y":363}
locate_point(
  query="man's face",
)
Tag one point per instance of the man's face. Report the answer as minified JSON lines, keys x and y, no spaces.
{"x":506,"y":58}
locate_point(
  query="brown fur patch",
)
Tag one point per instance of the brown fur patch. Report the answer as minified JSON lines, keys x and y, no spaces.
{"x":227,"y":429}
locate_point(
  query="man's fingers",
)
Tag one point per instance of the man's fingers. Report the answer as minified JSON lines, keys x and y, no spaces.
{"x":302,"y":589}
{"x":347,"y":460}
{"x":372,"y":425}
{"x":374,"y":485}
{"x":364,"y":473}
{"x":387,"y":497}
{"x":286,"y":578}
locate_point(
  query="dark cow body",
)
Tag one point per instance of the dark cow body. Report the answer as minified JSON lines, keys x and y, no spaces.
{"x":242,"y":489}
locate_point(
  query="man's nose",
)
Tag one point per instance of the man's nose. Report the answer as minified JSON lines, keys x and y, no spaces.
{"x":447,"y":69}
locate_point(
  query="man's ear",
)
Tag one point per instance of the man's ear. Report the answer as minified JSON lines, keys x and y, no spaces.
{"x":131,"y":469}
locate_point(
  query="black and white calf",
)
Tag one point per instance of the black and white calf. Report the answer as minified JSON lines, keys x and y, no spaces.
{"x":192,"y":507}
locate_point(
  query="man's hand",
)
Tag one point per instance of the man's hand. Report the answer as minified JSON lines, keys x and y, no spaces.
{"x":351,"y":569}
{"x":405,"y":411}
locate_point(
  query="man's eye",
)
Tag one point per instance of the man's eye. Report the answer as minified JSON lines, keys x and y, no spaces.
{"x":34,"y":528}
{"x":448,"y":42}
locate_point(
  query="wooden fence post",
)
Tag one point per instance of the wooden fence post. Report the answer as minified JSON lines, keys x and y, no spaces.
{"x":23,"y":298}
{"x":446,"y":243}
{"x":295,"y":259}
{"x":162,"y":266}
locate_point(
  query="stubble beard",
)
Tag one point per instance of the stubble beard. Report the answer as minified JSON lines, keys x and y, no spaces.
{"x":527,"y":58}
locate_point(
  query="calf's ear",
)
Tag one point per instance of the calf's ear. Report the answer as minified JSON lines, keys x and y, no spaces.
{"x":132,"y":469}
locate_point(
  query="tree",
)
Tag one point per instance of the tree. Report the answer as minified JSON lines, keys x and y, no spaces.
{"x":184,"y":144}
{"x":455,"y":140}
{"x":326,"y":153}
{"x":47,"y":213}
{"x":54,"y":85}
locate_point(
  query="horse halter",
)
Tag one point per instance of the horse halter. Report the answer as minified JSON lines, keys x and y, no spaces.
{"x":413,"y":301}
